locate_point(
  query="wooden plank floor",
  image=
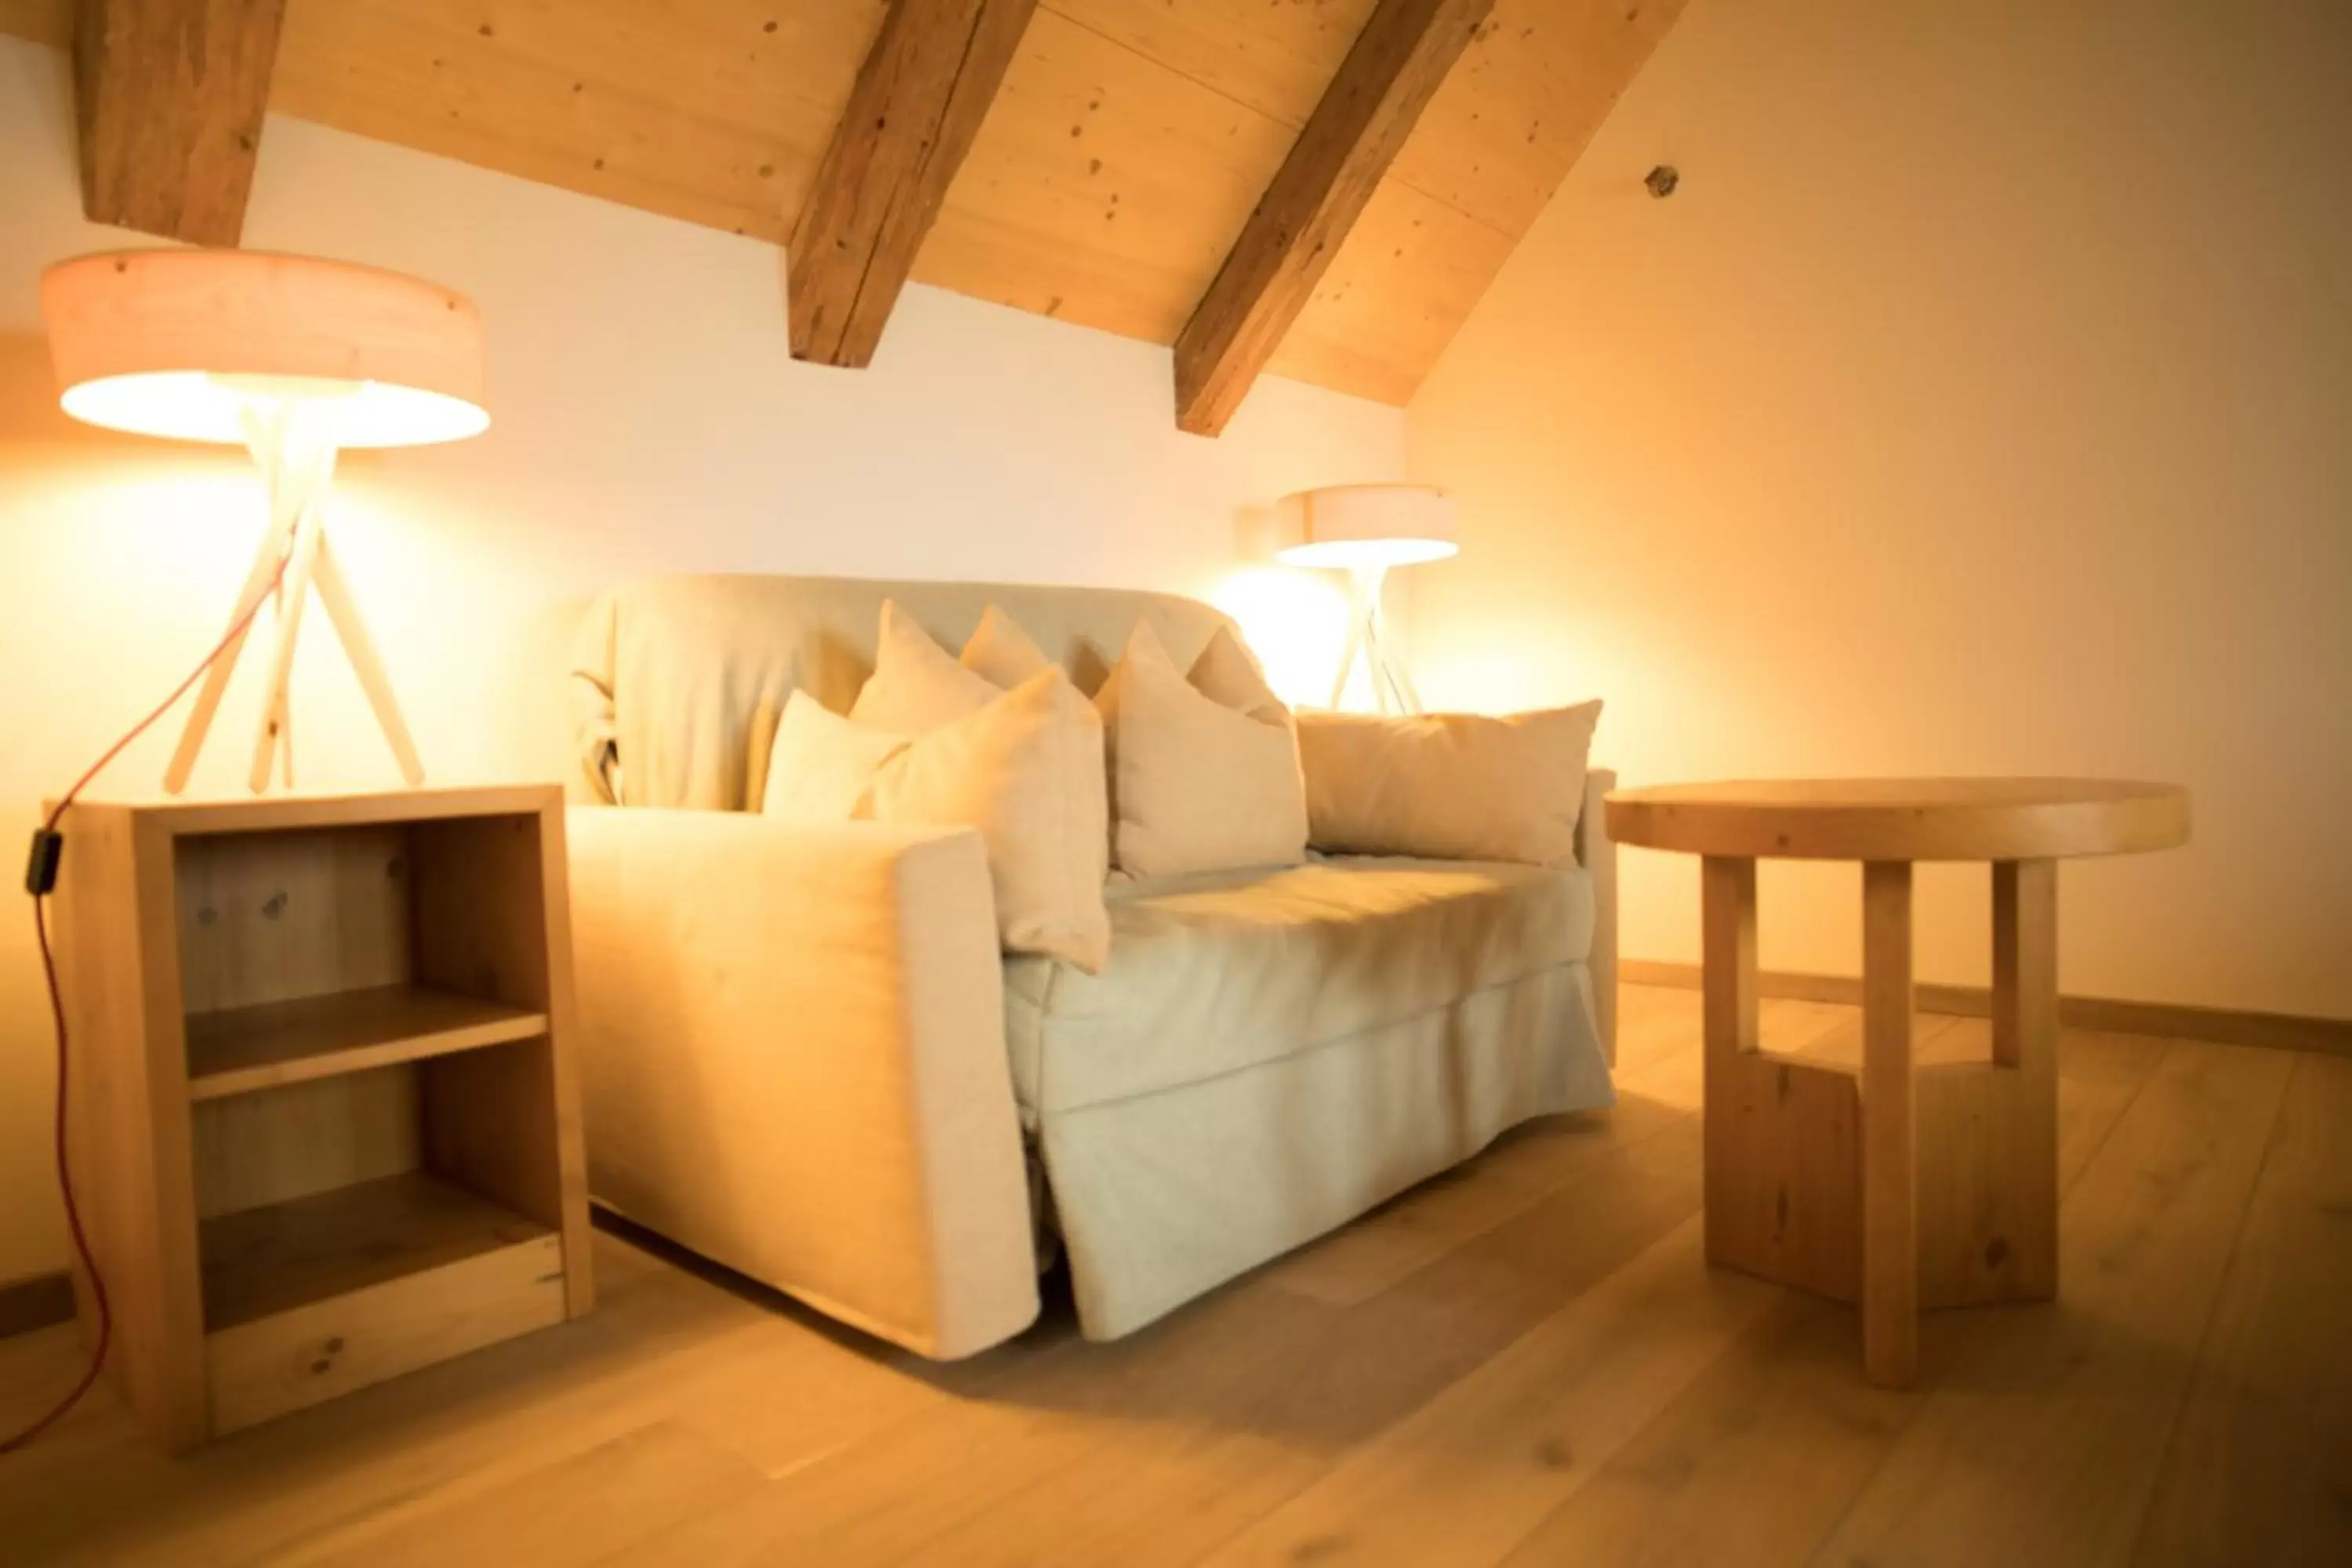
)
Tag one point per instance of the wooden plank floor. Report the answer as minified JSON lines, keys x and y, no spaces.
{"x":1525,"y":1362}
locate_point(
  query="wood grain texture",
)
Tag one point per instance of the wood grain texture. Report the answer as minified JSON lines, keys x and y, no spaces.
{"x":168,"y":98}
{"x":1358,"y":126}
{"x":130,"y":1135}
{"x":2106,"y":1015}
{"x":1463,"y":1478}
{"x":573,"y":1508}
{"x":912,"y":115}
{"x":278,"y":1144}
{"x":720,"y":111}
{"x":2258,"y":1463}
{"x":2041,"y":1443}
{"x":247,"y":1048}
{"x":1784,"y":1174}
{"x":1987,"y":1185}
{"x":271,"y":917}
{"x":1890,"y":1202}
{"x":1905,"y":819}
{"x":2021,"y":1245}
{"x":493,"y":905}
{"x":184,"y":818}
{"x":262,"y":313}
{"x":1783,"y":1154}
{"x":567,"y":1132}
{"x":1767,"y":1448}
{"x":324,"y":1348}
{"x":261,"y":1262}
{"x":1563,"y":1382}
{"x":716,"y":111}
{"x":1105,"y":190}
{"x":249,"y":1238}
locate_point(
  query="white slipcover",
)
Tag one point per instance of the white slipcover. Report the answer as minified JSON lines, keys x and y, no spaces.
{"x":801,"y":1046}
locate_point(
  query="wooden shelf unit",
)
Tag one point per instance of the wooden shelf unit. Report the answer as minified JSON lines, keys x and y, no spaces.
{"x":326,"y":1128}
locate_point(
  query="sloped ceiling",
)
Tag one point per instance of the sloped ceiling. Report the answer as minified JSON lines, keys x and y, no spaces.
{"x":1123,"y":153}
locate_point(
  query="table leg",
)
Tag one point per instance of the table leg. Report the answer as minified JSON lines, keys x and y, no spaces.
{"x":1890,"y":1219}
{"x":1728,"y":975}
{"x":1727,"y":946}
{"x":2025,"y":1038}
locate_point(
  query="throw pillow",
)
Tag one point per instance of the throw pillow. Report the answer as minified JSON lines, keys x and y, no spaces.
{"x":1450,"y":786}
{"x":1026,"y":770}
{"x":917,"y":685}
{"x":1001,"y":651}
{"x":1204,"y":770}
{"x":821,"y":765}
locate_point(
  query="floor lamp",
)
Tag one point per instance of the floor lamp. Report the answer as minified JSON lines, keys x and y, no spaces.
{"x":295,"y":359}
{"x":1368,"y":529}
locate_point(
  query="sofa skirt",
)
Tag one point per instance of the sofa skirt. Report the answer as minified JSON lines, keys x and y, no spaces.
{"x":1165,"y":1196}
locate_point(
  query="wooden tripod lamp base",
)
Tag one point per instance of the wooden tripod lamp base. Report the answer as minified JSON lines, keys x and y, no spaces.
{"x":295,"y":358}
{"x":1368,"y":529}
{"x":299,"y":464}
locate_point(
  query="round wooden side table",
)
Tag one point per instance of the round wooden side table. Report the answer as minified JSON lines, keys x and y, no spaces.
{"x":1814,"y":1176}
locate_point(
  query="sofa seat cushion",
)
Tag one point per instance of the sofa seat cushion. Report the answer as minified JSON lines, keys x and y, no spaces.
{"x":1221,"y":972}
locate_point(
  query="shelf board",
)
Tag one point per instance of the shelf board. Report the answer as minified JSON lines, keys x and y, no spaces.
{"x":240,"y":1049}
{"x":259,"y":1262}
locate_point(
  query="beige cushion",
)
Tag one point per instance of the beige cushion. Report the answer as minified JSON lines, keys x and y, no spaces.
{"x":1199,"y":781}
{"x":1454,"y":786}
{"x":1026,"y":770}
{"x":917,"y":686}
{"x":822,"y":766}
{"x":1213,"y":973}
{"x":1225,"y":672}
{"x":1023,"y":766}
{"x":1003,"y":653}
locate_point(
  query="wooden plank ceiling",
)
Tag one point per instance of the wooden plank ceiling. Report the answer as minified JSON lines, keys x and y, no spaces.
{"x":1128,"y":141}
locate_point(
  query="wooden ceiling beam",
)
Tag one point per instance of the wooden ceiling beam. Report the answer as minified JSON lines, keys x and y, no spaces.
{"x":920,"y":96}
{"x":1392,"y":72}
{"x":168,"y":98}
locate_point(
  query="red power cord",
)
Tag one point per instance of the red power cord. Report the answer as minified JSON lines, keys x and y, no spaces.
{"x":57,"y":1014}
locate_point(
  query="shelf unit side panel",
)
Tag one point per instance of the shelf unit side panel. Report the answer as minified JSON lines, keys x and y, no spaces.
{"x":128,"y":1122}
{"x":490,"y":921}
{"x":571,"y":1151}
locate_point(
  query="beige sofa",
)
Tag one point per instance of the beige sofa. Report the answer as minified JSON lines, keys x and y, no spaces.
{"x":805,"y":1058}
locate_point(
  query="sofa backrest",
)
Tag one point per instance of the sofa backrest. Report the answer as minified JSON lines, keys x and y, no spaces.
{"x":665,"y":672}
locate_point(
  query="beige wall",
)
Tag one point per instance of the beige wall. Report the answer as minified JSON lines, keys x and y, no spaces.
{"x":647,"y":418}
{"x":1981,"y":403}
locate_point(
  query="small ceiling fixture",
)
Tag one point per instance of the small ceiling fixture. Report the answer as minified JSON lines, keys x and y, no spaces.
{"x":1663,"y":180}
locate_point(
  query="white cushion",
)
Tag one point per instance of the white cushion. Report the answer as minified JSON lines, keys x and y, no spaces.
{"x":820,"y":765}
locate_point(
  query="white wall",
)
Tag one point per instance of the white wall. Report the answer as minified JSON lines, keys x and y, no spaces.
{"x":1978,"y":403}
{"x":646,"y":416}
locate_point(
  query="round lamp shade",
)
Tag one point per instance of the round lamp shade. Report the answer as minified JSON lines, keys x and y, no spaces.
{"x":192,"y":344}
{"x":1367,"y":525}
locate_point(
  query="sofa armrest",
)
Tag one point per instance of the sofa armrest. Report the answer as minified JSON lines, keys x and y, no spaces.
{"x":793,"y":1055}
{"x":1597,"y":853}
